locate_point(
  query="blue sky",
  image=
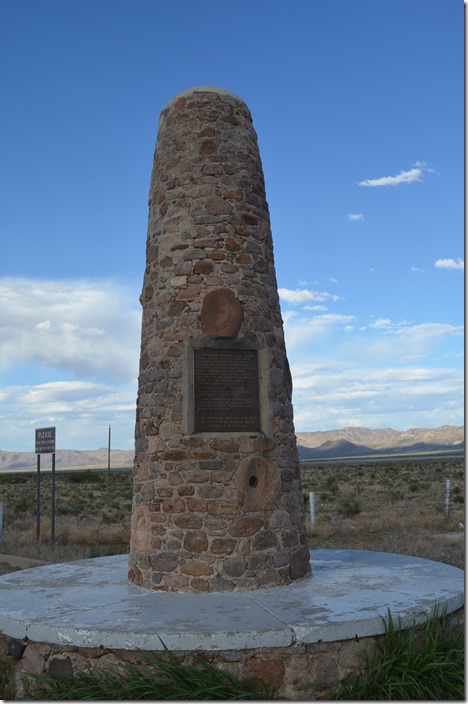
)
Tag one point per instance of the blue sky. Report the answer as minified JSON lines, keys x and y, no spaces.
{"x":358,"y":106}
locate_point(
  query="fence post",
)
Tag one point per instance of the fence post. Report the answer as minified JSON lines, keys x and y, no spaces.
{"x":448,"y":494}
{"x":1,"y":522}
{"x":313,"y":517}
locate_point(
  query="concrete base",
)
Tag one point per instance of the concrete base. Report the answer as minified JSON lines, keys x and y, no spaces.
{"x":89,"y":603}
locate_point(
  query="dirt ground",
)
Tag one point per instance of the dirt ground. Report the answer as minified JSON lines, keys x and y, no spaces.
{"x":5,"y":568}
{"x":395,"y":505}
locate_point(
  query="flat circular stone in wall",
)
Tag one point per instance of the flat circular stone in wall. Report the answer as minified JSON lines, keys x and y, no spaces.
{"x":258,"y":484}
{"x":221,"y":314}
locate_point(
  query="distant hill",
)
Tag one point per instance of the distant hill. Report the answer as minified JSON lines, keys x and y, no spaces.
{"x":334,"y":448}
{"x":344,"y":442}
{"x":359,"y":442}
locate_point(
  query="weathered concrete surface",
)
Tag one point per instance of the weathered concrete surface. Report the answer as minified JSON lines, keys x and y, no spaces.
{"x":90,"y":603}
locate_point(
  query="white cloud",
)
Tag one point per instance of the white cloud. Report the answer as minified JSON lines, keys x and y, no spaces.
{"x":359,"y":395}
{"x":412,"y":358}
{"x":81,"y":411}
{"x":381,"y":341}
{"x":86,"y":328}
{"x":81,"y":340}
{"x":316,"y":309}
{"x":409,"y":176}
{"x":383,"y":373}
{"x":380,"y":323}
{"x":404,"y":328}
{"x":298,"y":296}
{"x":355,"y":217}
{"x":387,"y":325}
{"x":458,"y":265}
{"x":432,"y":330}
{"x":300,"y":330}
{"x":85,"y":336}
{"x":386,"y":342}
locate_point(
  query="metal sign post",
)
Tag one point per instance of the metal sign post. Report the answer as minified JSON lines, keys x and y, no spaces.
{"x":38,"y":500}
{"x":1,"y":523}
{"x":52,"y":512}
{"x":108,"y":455}
{"x":45,"y":444}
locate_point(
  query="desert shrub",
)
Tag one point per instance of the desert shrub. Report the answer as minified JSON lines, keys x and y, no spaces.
{"x":414,"y":486}
{"x":325,"y":496}
{"x":332,"y":484}
{"x":109,"y":551}
{"x":21,"y":504}
{"x":13,"y":479}
{"x":85,"y":477}
{"x":349,"y":505}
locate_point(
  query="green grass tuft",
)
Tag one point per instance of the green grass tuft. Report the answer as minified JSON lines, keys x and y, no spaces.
{"x":414,"y":664}
{"x":166,"y":680}
{"x":414,"y":667}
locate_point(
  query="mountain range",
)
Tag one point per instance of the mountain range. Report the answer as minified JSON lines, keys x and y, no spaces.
{"x":344,"y":442}
{"x":359,"y":442}
{"x":66,"y":459}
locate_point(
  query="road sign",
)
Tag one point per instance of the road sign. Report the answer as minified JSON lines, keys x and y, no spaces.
{"x":45,"y":441}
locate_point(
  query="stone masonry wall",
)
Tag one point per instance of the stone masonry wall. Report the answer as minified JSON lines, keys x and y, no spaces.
{"x":289,"y":669}
{"x":212,"y":510}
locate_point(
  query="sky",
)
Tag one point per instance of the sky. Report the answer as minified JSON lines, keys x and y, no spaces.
{"x":359,"y":110}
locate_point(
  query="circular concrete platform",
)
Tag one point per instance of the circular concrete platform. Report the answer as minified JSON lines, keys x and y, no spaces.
{"x":90,"y":603}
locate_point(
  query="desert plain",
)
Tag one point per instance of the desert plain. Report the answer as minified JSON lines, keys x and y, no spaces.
{"x":390,"y":504}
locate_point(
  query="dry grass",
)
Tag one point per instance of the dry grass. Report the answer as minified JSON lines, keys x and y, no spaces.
{"x":92,"y":516}
{"x":392,"y":506}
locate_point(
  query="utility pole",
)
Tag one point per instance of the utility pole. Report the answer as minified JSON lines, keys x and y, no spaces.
{"x":108,"y":456}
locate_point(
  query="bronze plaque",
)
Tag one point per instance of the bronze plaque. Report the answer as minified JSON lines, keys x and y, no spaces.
{"x":226,"y":390}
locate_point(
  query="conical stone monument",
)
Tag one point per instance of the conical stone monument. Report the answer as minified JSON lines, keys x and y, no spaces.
{"x":217,"y":493}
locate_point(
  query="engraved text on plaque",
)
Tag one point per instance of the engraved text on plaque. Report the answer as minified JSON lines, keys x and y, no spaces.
{"x":226,"y":390}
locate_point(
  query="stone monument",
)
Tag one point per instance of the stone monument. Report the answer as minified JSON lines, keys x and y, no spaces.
{"x":217,"y":493}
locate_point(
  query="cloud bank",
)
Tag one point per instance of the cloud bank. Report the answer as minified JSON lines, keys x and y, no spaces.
{"x":410,"y":176}
{"x":88,"y":329}
{"x":458,"y":265}
{"x":373,"y":373}
{"x":69,"y":358}
{"x":299,"y":296}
